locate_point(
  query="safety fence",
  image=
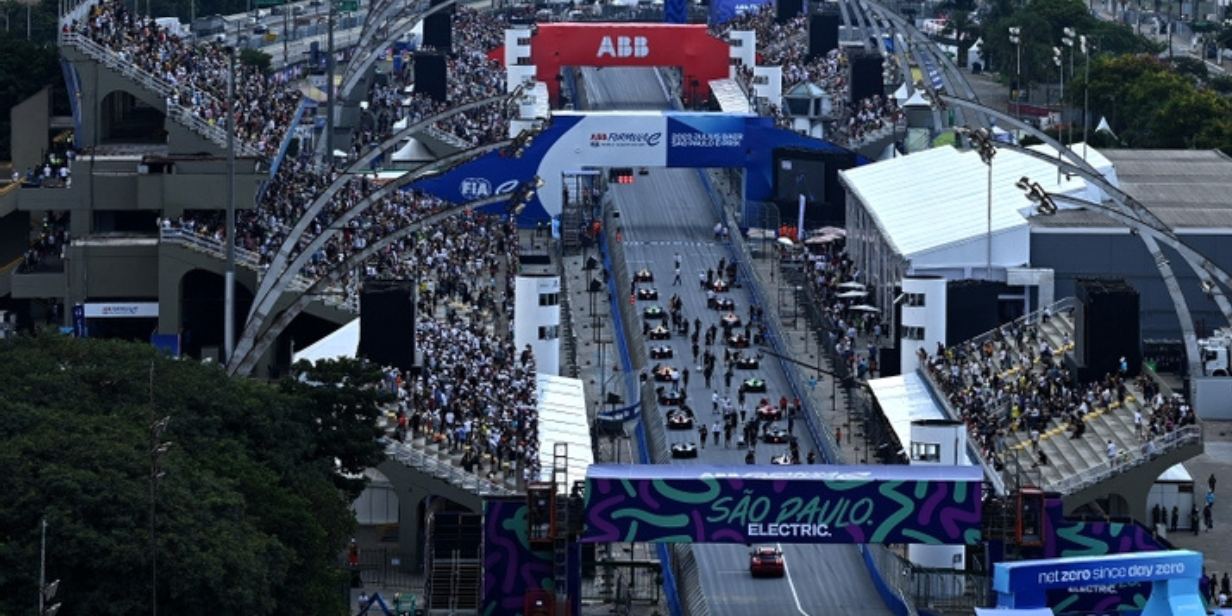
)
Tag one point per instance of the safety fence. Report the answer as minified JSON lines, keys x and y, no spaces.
{"x":613,"y":256}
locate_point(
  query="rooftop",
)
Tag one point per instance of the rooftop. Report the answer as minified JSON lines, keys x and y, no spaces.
{"x":1187,"y":189}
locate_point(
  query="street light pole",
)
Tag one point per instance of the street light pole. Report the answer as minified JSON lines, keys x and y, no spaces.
{"x":1016,"y":39}
{"x":1068,"y":41}
{"x":228,"y":307}
{"x":1086,"y":93}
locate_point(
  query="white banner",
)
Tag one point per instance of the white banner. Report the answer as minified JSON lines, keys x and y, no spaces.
{"x":122,"y":310}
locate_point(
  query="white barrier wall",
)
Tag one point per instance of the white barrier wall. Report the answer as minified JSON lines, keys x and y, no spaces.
{"x":768,"y":84}
{"x":536,"y":318}
{"x":743,"y":46}
{"x":939,"y":443}
{"x":922,"y":326}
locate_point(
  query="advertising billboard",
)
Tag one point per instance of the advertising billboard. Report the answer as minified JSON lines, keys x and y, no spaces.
{"x":696,"y":504}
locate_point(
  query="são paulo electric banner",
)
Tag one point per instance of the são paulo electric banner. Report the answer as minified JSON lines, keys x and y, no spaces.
{"x":702,"y":504}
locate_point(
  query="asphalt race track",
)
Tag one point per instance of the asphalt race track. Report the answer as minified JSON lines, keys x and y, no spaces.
{"x":668,"y":212}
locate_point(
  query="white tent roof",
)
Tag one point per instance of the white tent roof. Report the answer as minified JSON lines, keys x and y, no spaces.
{"x":413,"y":151}
{"x":900,"y":95}
{"x":904,"y":399}
{"x":562,"y":419}
{"x":344,"y":342}
{"x":935,"y":200}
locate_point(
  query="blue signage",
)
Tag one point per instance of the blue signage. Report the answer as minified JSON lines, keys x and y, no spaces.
{"x":1174,"y":575}
{"x":723,"y":11}
{"x":705,"y":140}
{"x":79,"y":321}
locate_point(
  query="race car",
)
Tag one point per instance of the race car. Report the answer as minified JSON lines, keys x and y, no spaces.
{"x":679,"y":419}
{"x":766,"y":561}
{"x":776,"y":435}
{"x":684,"y":450}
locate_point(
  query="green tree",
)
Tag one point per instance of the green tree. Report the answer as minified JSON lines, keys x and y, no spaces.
{"x":256,"y":58}
{"x":961,"y":26}
{"x":250,"y":519}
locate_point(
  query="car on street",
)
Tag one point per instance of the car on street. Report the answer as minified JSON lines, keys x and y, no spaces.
{"x":766,"y":561}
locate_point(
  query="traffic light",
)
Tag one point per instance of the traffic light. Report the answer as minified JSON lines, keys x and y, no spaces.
{"x":620,"y":175}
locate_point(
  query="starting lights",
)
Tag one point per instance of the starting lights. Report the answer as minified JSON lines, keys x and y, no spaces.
{"x":620,"y":175}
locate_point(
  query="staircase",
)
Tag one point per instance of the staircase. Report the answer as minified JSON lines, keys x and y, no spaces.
{"x":336,"y":296}
{"x":1076,"y":464}
{"x":455,"y":573}
{"x":161,"y":89}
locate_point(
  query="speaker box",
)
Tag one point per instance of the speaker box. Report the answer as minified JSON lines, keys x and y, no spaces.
{"x":430,"y":75}
{"x":438,"y":29}
{"x":787,"y":10}
{"x":1107,"y":327}
{"x":822,"y":34}
{"x":387,"y":323}
{"x":866,"y":79}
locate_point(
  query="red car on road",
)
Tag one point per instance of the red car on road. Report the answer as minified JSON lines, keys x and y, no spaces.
{"x":766,"y":561}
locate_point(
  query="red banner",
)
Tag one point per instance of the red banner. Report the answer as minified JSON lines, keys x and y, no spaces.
{"x":689,"y":46}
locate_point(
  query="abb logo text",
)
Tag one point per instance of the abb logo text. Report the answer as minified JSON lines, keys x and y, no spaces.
{"x":624,"y":47}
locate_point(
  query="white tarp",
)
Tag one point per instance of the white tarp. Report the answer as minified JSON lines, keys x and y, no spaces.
{"x":412,"y":151}
{"x":933,"y":206}
{"x":904,"y":399}
{"x":344,"y":342}
{"x":562,"y":419}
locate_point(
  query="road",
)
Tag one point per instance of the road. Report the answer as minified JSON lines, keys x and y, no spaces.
{"x":666,"y":213}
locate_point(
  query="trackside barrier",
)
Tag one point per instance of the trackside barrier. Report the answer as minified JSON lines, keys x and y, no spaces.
{"x":607,"y":243}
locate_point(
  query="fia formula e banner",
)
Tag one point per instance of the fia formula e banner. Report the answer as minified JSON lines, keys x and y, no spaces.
{"x":599,"y":140}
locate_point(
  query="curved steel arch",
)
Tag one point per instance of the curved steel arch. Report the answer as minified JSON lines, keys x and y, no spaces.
{"x":1139,"y":217}
{"x":945,"y":63}
{"x":277,"y":267}
{"x":360,"y":63}
{"x":262,"y":306}
{"x":248,"y":361}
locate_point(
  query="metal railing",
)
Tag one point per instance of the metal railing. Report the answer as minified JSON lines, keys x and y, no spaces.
{"x":448,"y":138}
{"x":446,"y":471}
{"x":342,"y":295}
{"x":215,"y":132}
{"x":1189,"y":435}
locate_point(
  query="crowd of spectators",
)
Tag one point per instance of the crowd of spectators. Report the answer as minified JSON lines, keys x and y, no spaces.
{"x":1013,"y":380}
{"x":786,"y":45}
{"x":197,"y":75}
{"x":473,"y":76}
{"x":476,"y":393}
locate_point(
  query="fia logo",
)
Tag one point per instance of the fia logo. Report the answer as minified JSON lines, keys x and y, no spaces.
{"x":624,"y":47}
{"x":475,"y":188}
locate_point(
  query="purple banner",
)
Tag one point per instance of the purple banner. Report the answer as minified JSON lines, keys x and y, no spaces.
{"x":694,"y":504}
{"x":511,"y":567}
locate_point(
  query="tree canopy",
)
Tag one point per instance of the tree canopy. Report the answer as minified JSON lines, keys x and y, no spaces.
{"x":252,"y":514}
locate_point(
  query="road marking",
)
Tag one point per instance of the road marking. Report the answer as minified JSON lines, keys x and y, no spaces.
{"x":787,"y":574}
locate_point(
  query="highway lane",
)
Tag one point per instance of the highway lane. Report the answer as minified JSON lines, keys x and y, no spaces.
{"x":664,"y":214}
